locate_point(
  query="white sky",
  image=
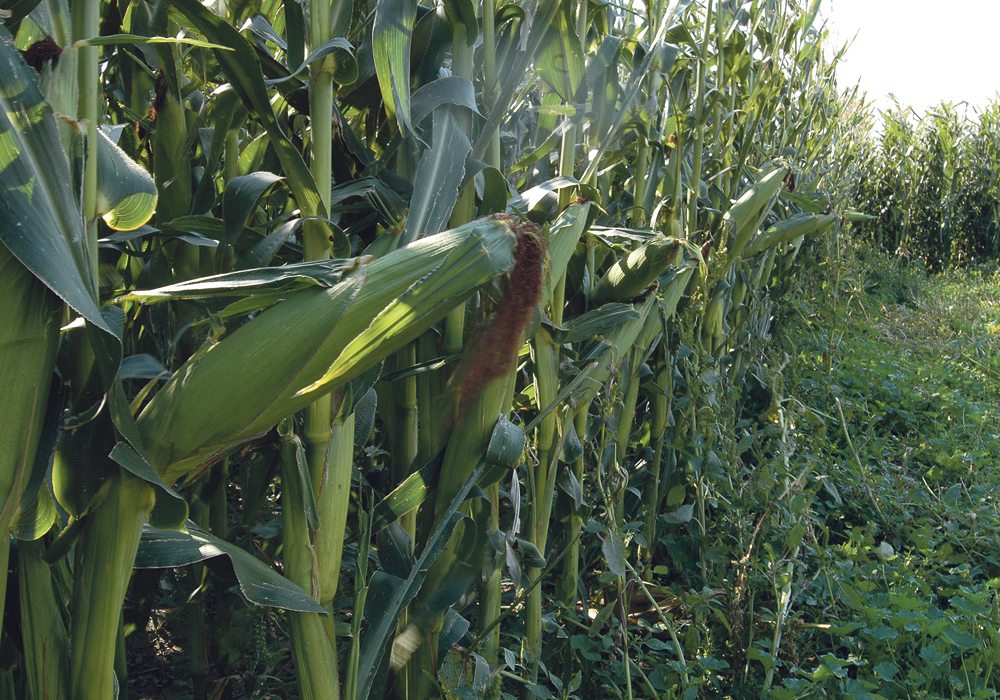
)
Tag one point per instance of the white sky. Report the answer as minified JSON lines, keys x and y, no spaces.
{"x":923,"y":51}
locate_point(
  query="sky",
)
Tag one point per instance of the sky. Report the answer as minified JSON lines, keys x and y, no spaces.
{"x":923,"y":51}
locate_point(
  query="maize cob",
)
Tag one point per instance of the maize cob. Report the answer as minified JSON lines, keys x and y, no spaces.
{"x":789,"y":230}
{"x":749,"y":211}
{"x":629,"y":277}
{"x":317,"y":338}
{"x":713,"y":323}
{"x":29,"y":336}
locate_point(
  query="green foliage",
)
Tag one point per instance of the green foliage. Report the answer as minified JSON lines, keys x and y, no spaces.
{"x":641,"y":446}
{"x":931,"y":184}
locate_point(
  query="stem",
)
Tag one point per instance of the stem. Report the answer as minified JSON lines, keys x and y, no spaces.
{"x":624,"y":623}
{"x":312,"y":648}
{"x":309,"y":556}
{"x":699,"y":134}
{"x":333,"y":495}
{"x":571,"y":569}
{"x":491,"y":89}
{"x":465,"y":206}
{"x":545,"y":355}
{"x":231,"y":159}
{"x":490,"y":607}
{"x":360,"y":597}
{"x":4,"y":563}
{"x":104,"y":558}
{"x":43,"y":631}
{"x":86,"y":20}
{"x":658,"y":433}
{"x":667,"y":623}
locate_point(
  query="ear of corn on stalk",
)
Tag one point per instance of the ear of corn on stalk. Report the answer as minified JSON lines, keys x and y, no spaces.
{"x":632,"y":275}
{"x":29,"y":335}
{"x":790,"y":229}
{"x":315,"y":339}
{"x":748,"y":212}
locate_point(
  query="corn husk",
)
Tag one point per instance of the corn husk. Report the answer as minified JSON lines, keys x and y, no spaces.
{"x":29,"y":336}
{"x":315,"y":339}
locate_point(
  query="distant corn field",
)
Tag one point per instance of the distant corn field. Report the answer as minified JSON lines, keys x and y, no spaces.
{"x":932,"y":184}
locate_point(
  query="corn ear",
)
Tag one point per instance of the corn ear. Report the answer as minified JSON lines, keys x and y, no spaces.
{"x":676,"y":281}
{"x":789,"y":230}
{"x":632,"y":275}
{"x":29,"y":336}
{"x":617,"y":344}
{"x":740,"y":289}
{"x":748,"y":212}
{"x":296,"y":350}
{"x":713,"y":323}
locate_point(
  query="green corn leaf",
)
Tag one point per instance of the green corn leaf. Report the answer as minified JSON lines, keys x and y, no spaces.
{"x":240,"y":197}
{"x":564,"y":234}
{"x":450,"y":90}
{"x":126,"y":193}
{"x":259,"y":584}
{"x":439,"y":176}
{"x":138,"y":40}
{"x":496,"y":191}
{"x":560,"y":61}
{"x":391,"y":37}
{"x":346,"y":66}
{"x":463,"y":13}
{"x":389,"y":595}
{"x":171,"y":509}
{"x":29,"y":338}
{"x":414,"y":490}
{"x":243,"y":70}
{"x":40,"y":222}
{"x":248,"y":283}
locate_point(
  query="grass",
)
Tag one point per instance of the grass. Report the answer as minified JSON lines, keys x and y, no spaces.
{"x":897,"y":581}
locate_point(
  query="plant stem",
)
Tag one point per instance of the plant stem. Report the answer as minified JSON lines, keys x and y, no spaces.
{"x":104,"y":557}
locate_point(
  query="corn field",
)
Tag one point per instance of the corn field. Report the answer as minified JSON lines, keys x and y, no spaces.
{"x":932,"y":185}
{"x":419,"y":340}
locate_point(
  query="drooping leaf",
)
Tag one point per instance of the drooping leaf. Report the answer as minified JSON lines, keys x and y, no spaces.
{"x":450,"y":90}
{"x":240,"y":197}
{"x":171,"y":509}
{"x":126,"y":193}
{"x":259,"y":584}
{"x":40,"y":222}
{"x":137,"y":40}
{"x":287,"y":278}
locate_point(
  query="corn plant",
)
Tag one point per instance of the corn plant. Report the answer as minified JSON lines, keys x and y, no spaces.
{"x":464,"y":299}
